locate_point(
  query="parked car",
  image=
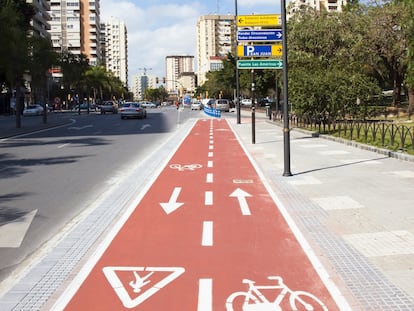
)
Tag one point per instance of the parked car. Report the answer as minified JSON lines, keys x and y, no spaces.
{"x":109,"y":106}
{"x":196,"y":106}
{"x":133,"y":110}
{"x":33,"y":110}
{"x":222,"y":105}
{"x":148,"y":104}
{"x":246,"y":102}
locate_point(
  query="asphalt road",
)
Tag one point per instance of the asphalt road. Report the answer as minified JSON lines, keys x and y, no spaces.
{"x":49,"y":178}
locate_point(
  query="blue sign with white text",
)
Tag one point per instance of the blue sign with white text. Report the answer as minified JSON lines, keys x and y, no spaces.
{"x":260,"y":35}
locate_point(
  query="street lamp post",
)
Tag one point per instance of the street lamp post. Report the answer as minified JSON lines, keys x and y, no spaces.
{"x":286,"y":134}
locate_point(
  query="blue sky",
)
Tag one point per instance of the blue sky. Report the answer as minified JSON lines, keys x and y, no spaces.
{"x":158,"y":28}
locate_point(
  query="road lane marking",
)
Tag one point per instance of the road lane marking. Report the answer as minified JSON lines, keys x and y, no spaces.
{"x":141,"y":295}
{"x":241,"y":197}
{"x":172,"y":204}
{"x":207,"y":238}
{"x":63,"y":145}
{"x":209,"y":178}
{"x":205,"y":295}
{"x":211,"y":147}
{"x":210,"y":164}
{"x":208,"y":198}
{"x":210,"y":154}
{"x":13,"y":232}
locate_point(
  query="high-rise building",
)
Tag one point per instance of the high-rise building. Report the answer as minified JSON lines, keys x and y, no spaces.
{"x":175,"y":66}
{"x":319,"y":5}
{"x":140,"y":83}
{"x":41,"y":20}
{"x":216,"y":35}
{"x":116,"y":49}
{"x":75,"y":27}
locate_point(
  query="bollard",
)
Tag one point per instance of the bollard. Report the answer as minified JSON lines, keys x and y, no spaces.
{"x":253,"y":126}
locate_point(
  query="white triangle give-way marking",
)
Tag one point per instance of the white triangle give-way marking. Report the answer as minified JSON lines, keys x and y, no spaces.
{"x":13,"y":233}
{"x":138,"y":282}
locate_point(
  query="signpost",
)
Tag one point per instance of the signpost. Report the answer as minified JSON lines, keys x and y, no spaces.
{"x":259,"y":50}
{"x":260,"y":64}
{"x":258,"y":20}
{"x":260,"y":35}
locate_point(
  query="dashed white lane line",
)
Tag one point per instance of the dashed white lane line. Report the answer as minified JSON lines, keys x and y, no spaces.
{"x":210,"y":154}
{"x":207,"y":237}
{"x":208,"y":198}
{"x":211,"y":147}
{"x":210,"y":164}
{"x":209,"y":178}
{"x":205,"y":295}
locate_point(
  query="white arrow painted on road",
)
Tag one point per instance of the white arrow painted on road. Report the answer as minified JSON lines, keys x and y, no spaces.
{"x":145,"y":126}
{"x":13,"y":233}
{"x":241,"y":196}
{"x":172,"y":205}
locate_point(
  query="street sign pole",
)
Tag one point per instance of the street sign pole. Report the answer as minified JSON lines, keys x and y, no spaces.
{"x":286,"y":134}
{"x":238,"y":108}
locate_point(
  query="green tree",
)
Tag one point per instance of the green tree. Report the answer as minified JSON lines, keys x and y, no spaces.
{"x":325,"y":78}
{"x":97,"y":79}
{"x":15,"y":16}
{"x":385,"y":47}
{"x":408,"y":27}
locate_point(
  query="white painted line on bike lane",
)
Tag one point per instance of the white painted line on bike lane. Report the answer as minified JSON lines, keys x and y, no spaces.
{"x":205,"y":295}
{"x":207,"y":239}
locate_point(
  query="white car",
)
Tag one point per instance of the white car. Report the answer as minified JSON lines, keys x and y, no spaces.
{"x":133,"y":110}
{"x":148,"y":104}
{"x":246,"y":102}
{"x":33,"y":110}
{"x":196,"y":106}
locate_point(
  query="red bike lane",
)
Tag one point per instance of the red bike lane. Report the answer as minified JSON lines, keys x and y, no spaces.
{"x":206,"y":236}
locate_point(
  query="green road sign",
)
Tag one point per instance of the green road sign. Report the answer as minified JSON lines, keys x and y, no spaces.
{"x":260,"y":64}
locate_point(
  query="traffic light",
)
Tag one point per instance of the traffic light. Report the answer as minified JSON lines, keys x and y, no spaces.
{"x":163,"y":80}
{"x":156,"y":80}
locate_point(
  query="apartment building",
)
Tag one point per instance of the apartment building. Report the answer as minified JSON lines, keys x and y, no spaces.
{"x":41,"y":20}
{"x":140,"y":83}
{"x":75,"y":27}
{"x":319,"y":5}
{"x":216,"y":35}
{"x":175,"y":67}
{"x":115,"y":51}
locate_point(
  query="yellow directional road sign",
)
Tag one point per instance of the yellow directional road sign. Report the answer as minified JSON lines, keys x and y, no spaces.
{"x":258,"y":20}
{"x":259,"y":50}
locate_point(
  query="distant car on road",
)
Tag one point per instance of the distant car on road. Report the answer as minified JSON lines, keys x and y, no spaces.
{"x":148,"y":104}
{"x":133,"y":110}
{"x":196,"y":106}
{"x":246,"y":102}
{"x":109,"y":106}
{"x":33,"y":110}
{"x":84,"y":106}
{"x":222,"y":105}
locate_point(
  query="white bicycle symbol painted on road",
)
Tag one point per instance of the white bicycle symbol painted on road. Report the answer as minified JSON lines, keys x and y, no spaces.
{"x":185,"y":167}
{"x":254,"y":300}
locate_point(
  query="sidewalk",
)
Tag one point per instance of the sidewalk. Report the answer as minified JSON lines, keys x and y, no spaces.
{"x":354,"y":207}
